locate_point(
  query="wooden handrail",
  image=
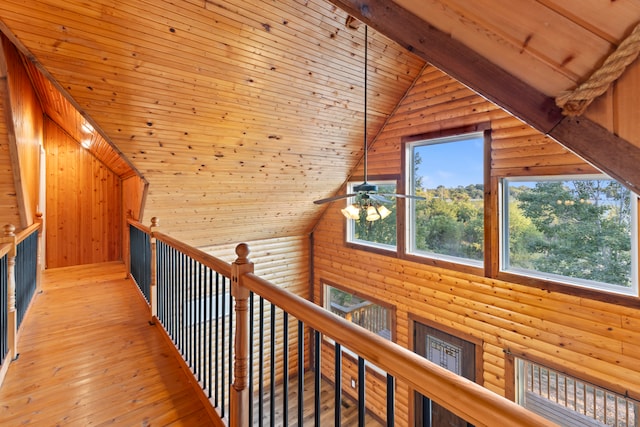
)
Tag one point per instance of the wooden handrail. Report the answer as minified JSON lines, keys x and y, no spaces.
{"x":140,"y":226}
{"x":467,"y":399}
{"x":202,"y":257}
{"x":22,"y":235}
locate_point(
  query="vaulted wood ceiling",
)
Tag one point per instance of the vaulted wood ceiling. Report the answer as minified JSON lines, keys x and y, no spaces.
{"x":240,"y":113}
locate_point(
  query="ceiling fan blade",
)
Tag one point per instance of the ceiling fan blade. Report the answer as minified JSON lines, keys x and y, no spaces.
{"x":333,"y":199}
{"x":403,"y":196}
{"x":380,"y":198}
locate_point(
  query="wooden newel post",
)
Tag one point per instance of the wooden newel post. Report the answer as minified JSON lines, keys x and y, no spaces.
{"x":239,"y":411}
{"x":12,"y":315}
{"x":40,"y":253}
{"x":153,"y":289}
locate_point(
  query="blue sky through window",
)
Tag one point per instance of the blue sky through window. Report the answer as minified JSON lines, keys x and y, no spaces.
{"x":452,"y":163}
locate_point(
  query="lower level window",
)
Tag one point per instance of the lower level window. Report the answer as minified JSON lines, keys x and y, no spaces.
{"x":577,"y":230}
{"x":569,"y":401}
{"x":362,"y":312}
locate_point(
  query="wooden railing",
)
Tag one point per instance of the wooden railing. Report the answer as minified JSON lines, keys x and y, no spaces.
{"x":185,"y":273}
{"x":19,"y":279}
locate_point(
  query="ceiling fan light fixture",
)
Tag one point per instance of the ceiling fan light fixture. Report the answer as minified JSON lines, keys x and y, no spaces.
{"x":383,"y":211}
{"x":372,"y":214}
{"x":351,"y":212}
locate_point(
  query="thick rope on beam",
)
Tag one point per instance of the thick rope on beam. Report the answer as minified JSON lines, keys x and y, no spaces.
{"x":575,"y":102}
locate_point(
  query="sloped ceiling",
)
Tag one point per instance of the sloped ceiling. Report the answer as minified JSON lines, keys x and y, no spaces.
{"x":240,"y":113}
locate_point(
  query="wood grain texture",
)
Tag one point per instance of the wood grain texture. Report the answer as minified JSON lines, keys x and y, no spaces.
{"x":88,"y":356}
{"x":591,"y":338}
{"x":84,"y":205}
{"x":215,"y":140}
{"x":23,"y":124}
{"x":227,"y":106}
{"x":9,"y":212}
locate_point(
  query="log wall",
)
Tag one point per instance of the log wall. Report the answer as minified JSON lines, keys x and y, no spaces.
{"x":284,"y":262}
{"x":593,"y":339}
{"x":84,"y":204}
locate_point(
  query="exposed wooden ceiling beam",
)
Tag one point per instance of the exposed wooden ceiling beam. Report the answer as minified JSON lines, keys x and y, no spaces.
{"x":613,"y":155}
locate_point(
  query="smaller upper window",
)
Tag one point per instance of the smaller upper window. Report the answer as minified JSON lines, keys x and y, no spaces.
{"x":381,"y":232}
{"x":579,"y":230}
{"x":449,"y":223}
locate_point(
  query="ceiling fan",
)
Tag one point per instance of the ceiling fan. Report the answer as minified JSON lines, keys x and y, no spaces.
{"x":366,"y":194}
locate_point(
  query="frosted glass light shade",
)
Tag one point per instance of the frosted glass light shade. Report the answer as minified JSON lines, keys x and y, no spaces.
{"x":351,"y":212}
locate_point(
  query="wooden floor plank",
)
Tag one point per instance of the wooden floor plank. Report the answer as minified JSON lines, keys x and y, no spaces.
{"x":88,"y":356}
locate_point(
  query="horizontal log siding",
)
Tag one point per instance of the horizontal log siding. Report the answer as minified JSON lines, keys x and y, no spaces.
{"x":592,"y":339}
{"x":284,"y":262}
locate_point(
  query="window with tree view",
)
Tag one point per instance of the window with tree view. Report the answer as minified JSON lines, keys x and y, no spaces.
{"x":380,"y":233}
{"x":578,"y":230}
{"x":449,"y":223}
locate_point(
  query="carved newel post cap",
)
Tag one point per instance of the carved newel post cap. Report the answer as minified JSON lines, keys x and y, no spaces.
{"x":242,"y":250}
{"x":9,"y":230}
{"x":155,"y":221}
{"x":38,"y":215}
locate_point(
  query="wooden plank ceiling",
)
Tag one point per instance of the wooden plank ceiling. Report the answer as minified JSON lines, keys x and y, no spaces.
{"x":240,"y":113}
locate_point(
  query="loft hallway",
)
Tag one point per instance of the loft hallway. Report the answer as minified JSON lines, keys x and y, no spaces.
{"x":88,"y":356}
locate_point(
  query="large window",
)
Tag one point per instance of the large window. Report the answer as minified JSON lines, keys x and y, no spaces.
{"x":449,"y":173}
{"x":569,"y":401}
{"x":579,"y":230}
{"x":381,"y":233}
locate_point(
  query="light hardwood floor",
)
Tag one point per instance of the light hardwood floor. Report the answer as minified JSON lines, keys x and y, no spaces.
{"x":88,"y":356}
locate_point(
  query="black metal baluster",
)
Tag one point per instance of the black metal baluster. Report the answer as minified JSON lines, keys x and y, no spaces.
{"x":189,"y":318}
{"x":204,"y":331}
{"x":183,"y":306}
{"x":199,"y":308}
{"x":231,"y":333}
{"x":174,"y":295}
{"x":261,"y":365}
{"x":4,"y":310}
{"x":159,"y":275}
{"x":300,"y":372}
{"x":317,"y":378}
{"x":272,"y":367}
{"x":224,"y":349}
{"x":337,"y":403}
{"x":251,"y":341}
{"x":361,"y":390}
{"x":285,"y":362}
{"x":210,"y":333}
{"x":217,"y":358}
{"x":180,"y":306}
{"x":390,"y":400}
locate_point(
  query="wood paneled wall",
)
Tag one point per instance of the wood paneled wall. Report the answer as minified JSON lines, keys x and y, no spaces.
{"x":84,"y":204}
{"x":24,"y":132}
{"x":617,"y":109}
{"x":591,"y":339}
{"x":9,"y":213}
